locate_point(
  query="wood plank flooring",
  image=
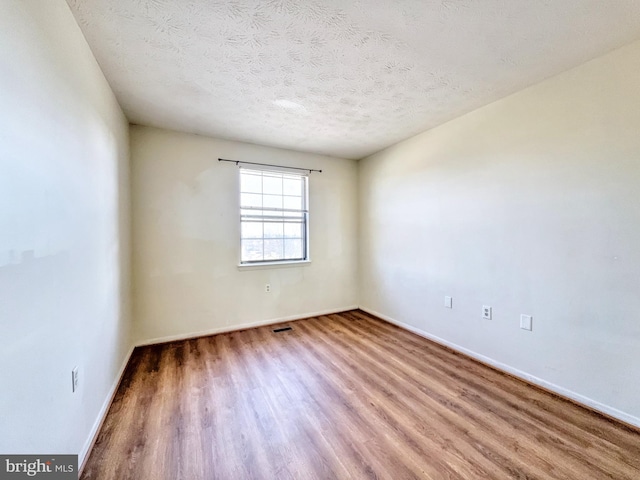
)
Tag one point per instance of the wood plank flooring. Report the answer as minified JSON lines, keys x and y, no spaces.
{"x":343,"y":396}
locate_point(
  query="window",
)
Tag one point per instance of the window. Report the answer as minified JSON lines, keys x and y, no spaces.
{"x":273,"y":216}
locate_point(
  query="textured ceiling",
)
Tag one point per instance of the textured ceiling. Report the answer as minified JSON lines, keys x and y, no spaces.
{"x":343,"y":78}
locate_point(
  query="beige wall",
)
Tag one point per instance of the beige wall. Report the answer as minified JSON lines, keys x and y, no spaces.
{"x":64,"y":235}
{"x":186,"y":238}
{"x":530,"y":205}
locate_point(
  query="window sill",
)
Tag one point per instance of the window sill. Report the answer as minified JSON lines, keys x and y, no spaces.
{"x":269,"y":265}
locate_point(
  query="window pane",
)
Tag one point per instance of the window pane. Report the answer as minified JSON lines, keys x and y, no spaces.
{"x":251,"y":230}
{"x":252,"y":250}
{"x":293,"y":230}
{"x":250,"y":200}
{"x":273,"y":230}
{"x":272,"y":201}
{"x":293,"y":203}
{"x":272,"y":185}
{"x":293,"y":248}
{"x":273,"y":249}
{"x":250,"y":183}
{"x":292,"y":186}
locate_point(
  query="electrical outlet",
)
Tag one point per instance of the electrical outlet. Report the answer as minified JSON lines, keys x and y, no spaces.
{"x":526,"y":322}
{"x":448,"y":302}
{"x":74,"y":380}
{"x":267,"y":288}
{"x":486,"y":312}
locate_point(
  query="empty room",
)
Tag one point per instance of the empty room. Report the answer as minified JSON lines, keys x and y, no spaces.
{"x":317,"y":239}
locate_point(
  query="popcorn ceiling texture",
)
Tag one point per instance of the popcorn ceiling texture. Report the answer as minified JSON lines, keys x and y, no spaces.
{"x":367,"y":73}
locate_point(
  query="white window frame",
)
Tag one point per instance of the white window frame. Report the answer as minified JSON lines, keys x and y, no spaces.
{"x":263,"y":215}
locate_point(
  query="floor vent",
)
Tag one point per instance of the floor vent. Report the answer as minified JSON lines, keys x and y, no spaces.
{"x":282,"y":329}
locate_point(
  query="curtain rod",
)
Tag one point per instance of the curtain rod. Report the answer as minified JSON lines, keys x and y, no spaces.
{"x":238,"y":162}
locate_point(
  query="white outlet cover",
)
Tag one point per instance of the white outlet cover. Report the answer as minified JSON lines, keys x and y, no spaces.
{"x":486,"y":312}
{"x":74,"y":380}
{"x":526,"y":322}
{"x":448,"y":302}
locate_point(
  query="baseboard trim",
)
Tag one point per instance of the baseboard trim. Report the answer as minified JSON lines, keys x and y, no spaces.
{"x":242,"y":326}
{"x":102,"y":415}
{"x":586,"y":402}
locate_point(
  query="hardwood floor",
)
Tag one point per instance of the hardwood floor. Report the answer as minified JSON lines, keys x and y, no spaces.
{"x":343,"y":396}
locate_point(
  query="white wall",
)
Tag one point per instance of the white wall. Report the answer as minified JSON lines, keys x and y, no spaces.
{"x":530,"y":205}
{"x":186,"y":238}
{"x":63,"y":231}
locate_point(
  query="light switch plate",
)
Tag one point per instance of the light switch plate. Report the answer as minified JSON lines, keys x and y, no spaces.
{"x":526,"y":322}
{"x":448,"y":302}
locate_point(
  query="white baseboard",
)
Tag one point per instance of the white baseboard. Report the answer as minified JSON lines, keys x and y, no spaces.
{"x":102,"y":414}
{"x":242,"y":326}
{"x":576,"y":397}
